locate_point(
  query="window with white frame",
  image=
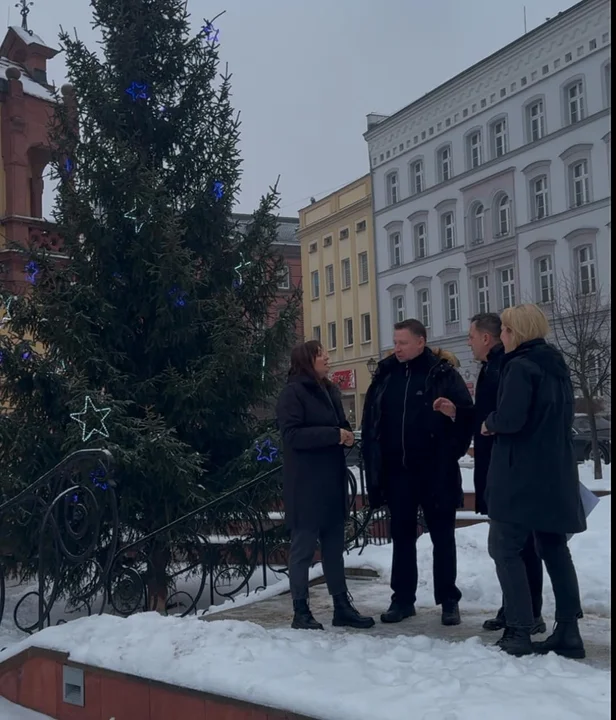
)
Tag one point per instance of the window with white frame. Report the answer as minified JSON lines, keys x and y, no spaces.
{"x":499,"y":138}
{"x":284,"y":280}
{"x":348,"y":332}
{"x":535,"y":120}
{"x":503,"y":216}
{"x":452,"y":302}
{"x":474,"y":149}
{"x":445,"y":168}
{"x":366,"y":328}
{"x":345,"y":273}
{"x":423,"y":307}
{"x":332,"y":340}
{"x":507,"y":283}
{"x":477,"y":224}
{"x":587,"y":272}
{"x":579,"y":182}
{"x":316,"y":333}
{"x":545,"y":279}
{"x":362,"y":267}
{"x":417,"y":177}
{"x":395,"y":249}
{"x":314,"y":284}
{"x":448,"y":230}
{"x":539,"y":197}
{"x":399,"y":309}
{"x":482,"y":290}
{"x":392,"y":188}
{"x":575,"y":103}
{"x":330,"y":285}
{"x":421,"y":240}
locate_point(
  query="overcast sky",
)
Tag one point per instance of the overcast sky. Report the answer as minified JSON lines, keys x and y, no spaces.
{"x":307,"y":72}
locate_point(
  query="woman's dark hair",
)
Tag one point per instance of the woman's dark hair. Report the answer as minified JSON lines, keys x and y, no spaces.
{"x":302,"y":360}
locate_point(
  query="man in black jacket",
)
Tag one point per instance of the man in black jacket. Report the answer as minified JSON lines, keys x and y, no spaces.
{"x":484,"y":341}
{"x":411,"y":458}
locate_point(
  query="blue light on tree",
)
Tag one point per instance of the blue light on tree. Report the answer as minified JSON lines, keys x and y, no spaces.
{"x":178,"y":296}
{"x":266,"y":451}
{"x":211,"y":33}
{"x":98,"y":478}
{"x":68,"y":166}
{"x":137,"y":91}
{"x":32,"y":270}
{"x":218,"y":189}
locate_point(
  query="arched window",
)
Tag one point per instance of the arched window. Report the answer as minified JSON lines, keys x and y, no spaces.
{"x":503,"y":216}
{"x":477,"y":223}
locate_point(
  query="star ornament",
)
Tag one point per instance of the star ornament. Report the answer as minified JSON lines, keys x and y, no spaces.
{"x":210,"y":32}
{"x":266,"y":451}
{"x":32,"y":270}
{"x":7,"y":311}
{"x":218,"y":189}
{"x":239,"y":281}
{"x":137,"y":91}
{"x":88,"y":411}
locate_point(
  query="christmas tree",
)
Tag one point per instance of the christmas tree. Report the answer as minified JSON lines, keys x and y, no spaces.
{"x":153,"y":334}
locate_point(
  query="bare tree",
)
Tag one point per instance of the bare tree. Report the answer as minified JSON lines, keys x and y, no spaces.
{"x":581,"y":325}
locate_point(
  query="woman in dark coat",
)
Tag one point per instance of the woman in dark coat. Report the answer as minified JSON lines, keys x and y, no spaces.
{"x":314,"y":432}
{"x":533,"y":484}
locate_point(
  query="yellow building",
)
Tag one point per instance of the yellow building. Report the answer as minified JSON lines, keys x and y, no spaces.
{"x":338,"y":278}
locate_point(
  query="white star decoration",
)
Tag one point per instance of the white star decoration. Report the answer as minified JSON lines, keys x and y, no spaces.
{"x":89,"y":408}
{"x":7,"y":311}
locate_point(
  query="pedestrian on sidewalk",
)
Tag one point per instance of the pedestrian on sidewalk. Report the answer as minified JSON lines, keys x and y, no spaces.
{"x":411,"y":456}
{"x":314,"y":433}
{"x":533,"y":484}
{"x":485,"y":343}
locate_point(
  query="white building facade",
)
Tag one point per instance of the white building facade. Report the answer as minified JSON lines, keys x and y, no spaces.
{"x":489,"y":188}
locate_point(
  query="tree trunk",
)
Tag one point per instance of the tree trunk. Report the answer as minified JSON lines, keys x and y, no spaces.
{"x":157,"y":579}
{"x":594,"y":441}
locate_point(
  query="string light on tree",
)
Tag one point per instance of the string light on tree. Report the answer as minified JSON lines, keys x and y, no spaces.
{"x":239,"y":281}
{"x":32,"y":270}
{"x":132,"y":215}
{"x":137,"y":91}
{"x":68,"y":166}
{"x":178,"y":296}
{"x":211,"y":33}
{"x":7,"y":311}
{"x":88,"y":409}
{"x":266,"y":451}
{"x":218,"y":189}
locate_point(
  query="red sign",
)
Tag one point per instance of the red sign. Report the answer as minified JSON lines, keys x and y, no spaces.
{"x":345,"y":379}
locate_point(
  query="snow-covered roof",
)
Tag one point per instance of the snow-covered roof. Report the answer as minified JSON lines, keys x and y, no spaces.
{"x":31,"y":87}
{"x":28,"y":36}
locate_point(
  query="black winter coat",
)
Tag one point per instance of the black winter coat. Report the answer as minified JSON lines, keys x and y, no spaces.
{"x":315,"y":488}
{"x":533,"y":478}
{"x":451,"y":440}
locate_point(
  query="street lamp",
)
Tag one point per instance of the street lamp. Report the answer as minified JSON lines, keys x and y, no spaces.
{"x":372,"y":363}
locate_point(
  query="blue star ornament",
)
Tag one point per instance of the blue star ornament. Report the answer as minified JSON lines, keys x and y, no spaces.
{"x":32,"y":270}
{"x":218,"y":189}
{"x":88,"y":409}
{"x":211,"y":33}
{"x":266,"y":451}
{"x":137,"y":91}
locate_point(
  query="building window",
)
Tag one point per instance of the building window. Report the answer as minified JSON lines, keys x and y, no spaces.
{"x":474,"y":149}
{"x":362,"y":267}
{"x":499,"y":138}
{"x":314,"y":284}
{"x":477,"y":229}
{"x":545,"y":275}
{"x":507,"y":288}
{"x":539,"y":197}
{"x":366,"y":328}
{"x":392,"y":188}
{"x":420,"y":236}
{"x":417,"y":177}
{"x":452,"y":302}
{"x":327,"y":241}
{"x":483,"y":293}
{"x":445,"y":168}
{"x":423,"y":305}
{"x":535,"y":118}
{"x":587,"y":276}
{"x":448,"y":231}
{"x":399,"y":310}
{"x":316,"y":333}
{"x":343,"y":234}
{"x":330,"y":287}
{"x":574,"y":95}
{"x":284,"y":280}
{"x":607,"y":79}
{"x":348,"y":332}
{"x":361,"y":226}
{"x":395,"y":248}
{"x":331,"y":336}
{"x":312,"y":247}
{"x":345,"y":273}
{"x":503,"y":216}
{"x":579,"y":183}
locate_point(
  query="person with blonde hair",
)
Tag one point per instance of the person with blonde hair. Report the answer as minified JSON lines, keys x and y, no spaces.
{"x":533,"y":484}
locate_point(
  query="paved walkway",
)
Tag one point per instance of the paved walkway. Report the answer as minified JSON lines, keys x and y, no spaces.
{"x":372,"y":597}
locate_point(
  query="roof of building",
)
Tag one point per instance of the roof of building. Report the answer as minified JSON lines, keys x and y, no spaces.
{"x":30,"y":86}
{"x":287,"y":227}
{"x":28,"y":36}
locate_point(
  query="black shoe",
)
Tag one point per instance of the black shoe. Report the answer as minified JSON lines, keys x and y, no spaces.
{"x":450,"y":614}
{"x":538,"y":627}
{"x":516,"y":642}
{"x":496,"y":623}
{"x":398,"y":611}
{"x":565,"y":641}
{"x":303,"y":618}
{"x":346,"y":615}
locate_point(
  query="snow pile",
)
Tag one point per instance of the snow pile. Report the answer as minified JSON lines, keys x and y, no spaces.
{"x":10,"y":711}
{"x":335,"y":676}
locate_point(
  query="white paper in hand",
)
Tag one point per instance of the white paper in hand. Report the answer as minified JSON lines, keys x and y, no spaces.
{"x":589,"y":502}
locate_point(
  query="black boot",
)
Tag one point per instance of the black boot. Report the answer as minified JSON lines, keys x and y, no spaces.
{"x":496,"y":623}
{"x":451,"y":613}
{"x":346,"y":615}
{"x":516,"y":641}
{"x":565,"y":641}
{"x":398,"y":611}
{"x":303,"y":618}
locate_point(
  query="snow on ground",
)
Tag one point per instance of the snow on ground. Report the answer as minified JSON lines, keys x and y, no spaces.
{"x":10,"y":711}
{"x":335,"y":676}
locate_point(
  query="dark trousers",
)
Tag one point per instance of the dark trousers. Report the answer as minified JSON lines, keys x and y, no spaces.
{"x":534,"y":573}
{"x":303,"y":546}
{"x":406,"y":491}
{"x":506,"y":542}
